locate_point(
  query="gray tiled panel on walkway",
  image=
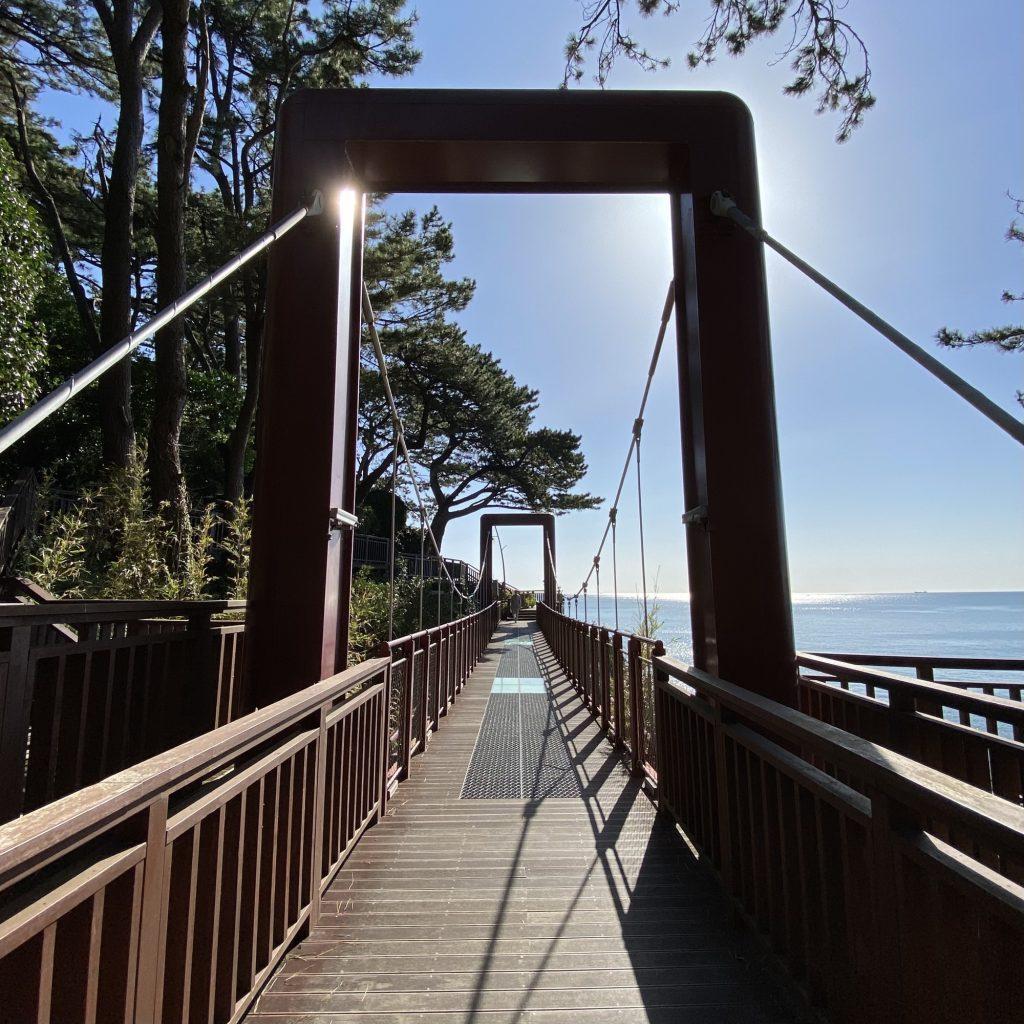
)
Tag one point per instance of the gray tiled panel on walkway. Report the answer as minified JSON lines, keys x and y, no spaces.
{"x":520,"y":662}
{"x":520,"y":751}
{"x":582,"y":911}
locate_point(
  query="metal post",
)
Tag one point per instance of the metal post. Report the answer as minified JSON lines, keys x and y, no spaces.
{"x":297,"y":629}
{"x":740,"y":608}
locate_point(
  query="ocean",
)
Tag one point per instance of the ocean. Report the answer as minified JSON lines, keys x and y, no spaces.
{"x":974,"y":625}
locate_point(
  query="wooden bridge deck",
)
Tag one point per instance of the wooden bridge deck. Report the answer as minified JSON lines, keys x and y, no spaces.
{"x":587,"y":909}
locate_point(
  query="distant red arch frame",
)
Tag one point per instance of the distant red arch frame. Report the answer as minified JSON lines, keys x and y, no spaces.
{"x":546,"y":521}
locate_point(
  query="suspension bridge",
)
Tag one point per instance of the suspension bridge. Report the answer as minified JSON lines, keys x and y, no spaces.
{"x":519,"y":814}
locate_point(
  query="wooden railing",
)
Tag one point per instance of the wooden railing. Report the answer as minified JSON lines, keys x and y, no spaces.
{"x":897,"y":895}
{"x":89,"y":688}
{"x":973,"y":736}
{"x":928,"y":668}
{"x":437,"y":662}
{"x":612,"y":672}
{"x":170,"y":891}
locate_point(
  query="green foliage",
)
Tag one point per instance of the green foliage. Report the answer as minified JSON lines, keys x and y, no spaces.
{"x":112,"y":544}
{"x":237,"y":546}
{"x":368,"y":627}
{"x":826,"y":53}
{"x":654,"y":621}
{"x":1007,"y":338}
{"x":24,"y":272}
{"x":57,"y":558}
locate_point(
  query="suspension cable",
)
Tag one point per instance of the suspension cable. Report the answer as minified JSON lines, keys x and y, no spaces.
{"x":423,"y":539}
{"x":722,"y":205}
{"x":640,"y":518}
{"x":666,"y":315}
{"x":597,"y":572}
{"x":396,"y":420}
{"x":613,"y":514}
{"x":391,"y":542}
{"x":46,"y":407}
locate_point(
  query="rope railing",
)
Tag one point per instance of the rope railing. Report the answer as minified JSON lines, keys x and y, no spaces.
{"x":722,"y":205}
{"x":63,"y":393}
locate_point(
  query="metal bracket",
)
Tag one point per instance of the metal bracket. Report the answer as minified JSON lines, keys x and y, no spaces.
{"x":698,"y":515}
{"x":638,"y":426}
{"x":316,"y":204}
{"x":722,"y":203}
{"x":339,"y":519}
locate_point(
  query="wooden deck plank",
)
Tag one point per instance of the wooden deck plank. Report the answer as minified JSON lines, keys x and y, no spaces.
{"x":590,"y":910}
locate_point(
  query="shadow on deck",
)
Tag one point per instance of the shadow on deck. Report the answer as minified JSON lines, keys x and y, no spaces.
{"x":585,"y":908}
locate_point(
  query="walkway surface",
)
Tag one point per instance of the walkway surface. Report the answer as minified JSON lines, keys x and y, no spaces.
{"x":568,"y":902}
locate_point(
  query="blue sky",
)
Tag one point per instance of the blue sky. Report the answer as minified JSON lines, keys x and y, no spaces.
{"x":891,"y":482}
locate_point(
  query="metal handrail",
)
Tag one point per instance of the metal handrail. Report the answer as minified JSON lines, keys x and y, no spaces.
{"x":63,"y":393}
{"x":722,"y":205}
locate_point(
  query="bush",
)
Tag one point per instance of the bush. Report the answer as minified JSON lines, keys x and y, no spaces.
{"x":110,"y":544}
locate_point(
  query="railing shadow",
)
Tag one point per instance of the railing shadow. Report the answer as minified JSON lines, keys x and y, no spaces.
{"x":662,"y":948}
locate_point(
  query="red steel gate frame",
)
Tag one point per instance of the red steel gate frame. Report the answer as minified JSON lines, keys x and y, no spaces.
{"x":488,"y":522}
{"x":685,"y":144}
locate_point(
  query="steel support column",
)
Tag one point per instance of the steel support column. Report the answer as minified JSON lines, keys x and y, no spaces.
{"x":740,"y":606}
{"x":297,"y":629}
{"x":393,"y":140}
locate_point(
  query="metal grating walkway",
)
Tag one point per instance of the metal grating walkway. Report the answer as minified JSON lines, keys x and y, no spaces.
{"x":520,"y":752}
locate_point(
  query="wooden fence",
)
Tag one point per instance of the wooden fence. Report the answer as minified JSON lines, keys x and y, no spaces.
{"x":973,"y":736}
{"x":89,"y":688}
{"x":896,"y":897}
{"x":428,"y":670}
{"x":613,"y":674}
{"x":169,"y":892}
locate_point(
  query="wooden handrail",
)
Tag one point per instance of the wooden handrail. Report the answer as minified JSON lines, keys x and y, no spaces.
{"x":200,"y":866}
{"x":923,"y":661}
{"x":43,"y":835}
{"x":943,"y":693}
{"x":905,"y":779}
{"x":17,"y":614}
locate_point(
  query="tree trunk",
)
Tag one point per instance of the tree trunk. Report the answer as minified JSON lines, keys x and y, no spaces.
{"x":438,"y":525}
{"x":238,"y":440}
{"x":166,"y":478}
{"x":232,"y":335}
{"x":115,"y":386}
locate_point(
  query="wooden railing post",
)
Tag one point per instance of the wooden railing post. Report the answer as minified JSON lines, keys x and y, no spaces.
{"x":657,"y":651}
{"x":926,"y":674}
{"x":384,"y":651}
{"x":409,"y":652}
{"x":619,"y":696}
{"x":602,"y":639}
{"x":421,"y":711}
{"x":319,"y":812}
{"x":16,"y":707}
{"x":152,"y":935}
{"x":202,"y":675}
{"x":434,"y":678}
{"x":635,"y":705}
{"x":723,"y":795}
{"x":885,"y":988}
